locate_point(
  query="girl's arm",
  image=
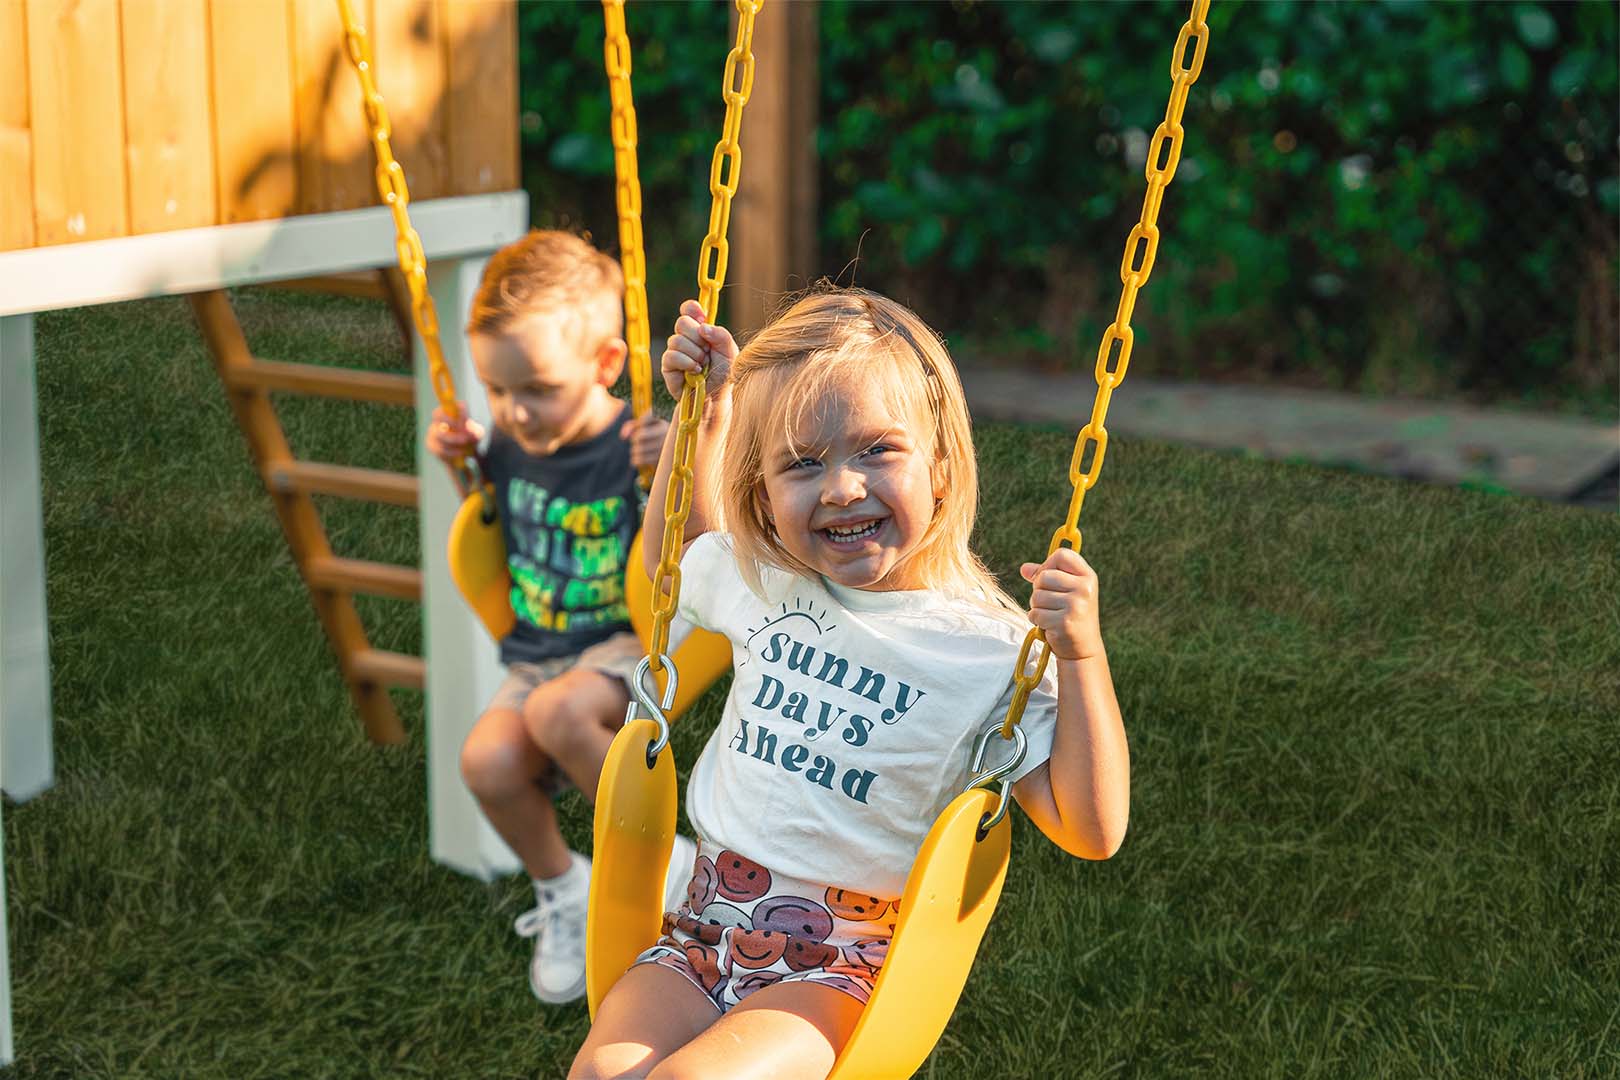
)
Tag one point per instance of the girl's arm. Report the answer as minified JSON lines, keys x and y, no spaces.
{"x":1081,"y":799}
{"x":695,"y":346}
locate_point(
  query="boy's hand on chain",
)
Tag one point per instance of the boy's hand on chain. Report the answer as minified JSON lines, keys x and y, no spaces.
{"x":646,"y":437}
{"x":450,"y":439}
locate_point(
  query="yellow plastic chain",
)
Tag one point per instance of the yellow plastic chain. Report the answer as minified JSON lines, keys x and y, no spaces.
{"x":724,"y":171}
{"x":627,"y":190}
{"x":1167,"y":144}
{"x":412,"y":259}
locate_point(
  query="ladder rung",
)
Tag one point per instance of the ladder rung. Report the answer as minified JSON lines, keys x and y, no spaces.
{"x":349,"y":481}
{"x":364,"y":284}
{"x":362,"y":576}
{"x":389,"y":669}
{"x":319,"y":381}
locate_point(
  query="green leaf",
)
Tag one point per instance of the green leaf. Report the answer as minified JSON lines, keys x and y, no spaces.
{"x":582,"y":152}
{"x":1514,"y":67}
{"x":1054,"y":44}
{"x":1536,"y":27}
{"x":924,"y":239}
{"x":1571,"y":73}
{"x":1608,"y":194}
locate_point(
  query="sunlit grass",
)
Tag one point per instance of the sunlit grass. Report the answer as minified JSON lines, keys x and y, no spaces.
{"x":1375,"y":732}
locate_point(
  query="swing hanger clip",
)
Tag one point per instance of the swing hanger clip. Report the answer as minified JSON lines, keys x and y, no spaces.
{"x":997,"y":774}
{"x":658,"y":711}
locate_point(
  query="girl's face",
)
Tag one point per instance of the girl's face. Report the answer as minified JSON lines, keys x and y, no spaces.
{"x":851,"y":492}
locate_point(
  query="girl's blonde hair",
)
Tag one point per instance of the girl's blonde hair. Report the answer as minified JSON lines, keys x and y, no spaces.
{"x":838,"y":339}
{"x":556,"y":275}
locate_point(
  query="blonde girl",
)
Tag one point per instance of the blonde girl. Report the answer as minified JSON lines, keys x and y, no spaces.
{"x":829,"y":543}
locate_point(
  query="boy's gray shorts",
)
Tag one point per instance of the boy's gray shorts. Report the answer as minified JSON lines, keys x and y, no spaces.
{"x":616,"y":657}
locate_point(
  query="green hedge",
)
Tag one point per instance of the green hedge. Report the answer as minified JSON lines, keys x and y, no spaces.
{"x":1395,"y":196}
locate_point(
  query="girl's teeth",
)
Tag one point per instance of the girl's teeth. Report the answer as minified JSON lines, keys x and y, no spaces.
{"x":854,"y":534}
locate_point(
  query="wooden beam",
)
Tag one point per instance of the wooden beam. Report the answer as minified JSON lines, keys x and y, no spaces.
{"x":300,"y":523}
{"x":380,"y":668}
{"x":345,"y":481}
{"x":773,"y":223}
{"x":361,"y":576}
{"x":317,"y":380}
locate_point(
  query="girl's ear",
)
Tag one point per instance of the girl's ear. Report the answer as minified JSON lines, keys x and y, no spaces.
{"x":610,"y":360}
{"x":941,"y":475}
{"x":763,"y":497}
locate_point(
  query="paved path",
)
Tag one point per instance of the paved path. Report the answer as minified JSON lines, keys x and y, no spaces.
{"x":1534,"y":454}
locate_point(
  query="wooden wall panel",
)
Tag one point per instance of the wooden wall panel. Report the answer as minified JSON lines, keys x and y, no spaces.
{"x":335,"y":170}
{"x":408,"y":44}
{"x":482,"y":113}
{"x":255,"y":123}
{"x":16,"y":137}
{"x":75,"y":79}
{"x":168,"y":122}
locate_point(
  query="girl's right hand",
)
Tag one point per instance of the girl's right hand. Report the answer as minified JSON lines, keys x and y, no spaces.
{"x":696,"y":346}
{"x":450,"y":439}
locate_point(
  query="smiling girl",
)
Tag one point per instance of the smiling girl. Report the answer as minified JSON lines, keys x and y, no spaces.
{"x":870,"y":648}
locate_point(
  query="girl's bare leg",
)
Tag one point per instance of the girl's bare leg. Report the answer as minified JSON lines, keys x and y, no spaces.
{"x":649,"y":1014}
{"x":785,"y":1032}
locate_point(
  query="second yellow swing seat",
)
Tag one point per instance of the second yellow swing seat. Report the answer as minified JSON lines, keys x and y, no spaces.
{"x":477,"y":553}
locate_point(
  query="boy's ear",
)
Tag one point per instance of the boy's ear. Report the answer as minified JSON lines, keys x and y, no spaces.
{"x":610,"y":360}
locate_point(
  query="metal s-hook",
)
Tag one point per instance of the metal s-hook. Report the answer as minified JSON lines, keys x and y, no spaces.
{"x":656,"y":711}
{"x":997,"y":774}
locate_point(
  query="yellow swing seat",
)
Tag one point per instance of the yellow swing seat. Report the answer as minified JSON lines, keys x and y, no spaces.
{"x":477,"y":553}
{"x":949,"y":897}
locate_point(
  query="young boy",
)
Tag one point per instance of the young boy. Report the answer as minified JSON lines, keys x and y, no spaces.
{"x":546,"y":336}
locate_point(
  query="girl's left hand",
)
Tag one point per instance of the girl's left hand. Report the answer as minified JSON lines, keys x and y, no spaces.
{"x":1064,"y":604}
{"x":646,"y":436}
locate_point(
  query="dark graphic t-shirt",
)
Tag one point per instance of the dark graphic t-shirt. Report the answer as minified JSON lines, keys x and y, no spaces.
{"x":568,"y":520}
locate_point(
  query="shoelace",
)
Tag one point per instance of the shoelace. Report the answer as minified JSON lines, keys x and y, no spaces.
{"x":538,"y":919}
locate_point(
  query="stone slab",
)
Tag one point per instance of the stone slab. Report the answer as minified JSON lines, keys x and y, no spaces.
{"x":1550,"y":457}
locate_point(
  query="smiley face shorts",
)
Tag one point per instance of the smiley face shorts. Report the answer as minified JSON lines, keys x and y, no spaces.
{"x":744,"y":927}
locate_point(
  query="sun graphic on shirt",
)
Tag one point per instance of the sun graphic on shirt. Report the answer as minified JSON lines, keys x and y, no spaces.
{"x":803,"y":612}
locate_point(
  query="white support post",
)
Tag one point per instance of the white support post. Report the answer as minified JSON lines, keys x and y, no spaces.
{"x":463,"y":668}
{"x":25,"y":668}
{"x":6,"y":1049}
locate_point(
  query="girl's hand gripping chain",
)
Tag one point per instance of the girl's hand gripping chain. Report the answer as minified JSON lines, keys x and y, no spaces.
{"x":1064,"y":604}
{"x":697,"y":346}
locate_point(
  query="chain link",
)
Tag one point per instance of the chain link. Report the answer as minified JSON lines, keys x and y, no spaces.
{"x":711,"y":277}
{"x":627,"y":191}
{"x":390,"y":177}
{"x":1140,"y":250}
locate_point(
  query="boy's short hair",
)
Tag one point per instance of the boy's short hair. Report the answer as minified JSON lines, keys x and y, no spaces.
{"x":556,"y":275}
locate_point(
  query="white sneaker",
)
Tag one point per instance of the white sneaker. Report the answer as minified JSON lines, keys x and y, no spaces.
{"x":557,"y":924}
{"x":682,"y":861}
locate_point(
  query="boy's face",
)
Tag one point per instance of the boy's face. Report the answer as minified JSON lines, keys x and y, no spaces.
{"x":544,"y":391}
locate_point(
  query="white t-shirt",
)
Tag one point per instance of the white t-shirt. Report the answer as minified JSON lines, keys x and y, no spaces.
{"x":851,"y":718}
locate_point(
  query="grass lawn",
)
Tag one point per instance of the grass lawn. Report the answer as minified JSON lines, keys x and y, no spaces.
{"x":1375,"y":730}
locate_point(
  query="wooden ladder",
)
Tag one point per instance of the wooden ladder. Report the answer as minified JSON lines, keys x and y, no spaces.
{"x":331,"y":579}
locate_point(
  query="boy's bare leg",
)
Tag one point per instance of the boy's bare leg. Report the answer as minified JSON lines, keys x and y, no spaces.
{"x":649,"y":1014}
{"x":500,"y":762}
{"x":573,"y":719}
